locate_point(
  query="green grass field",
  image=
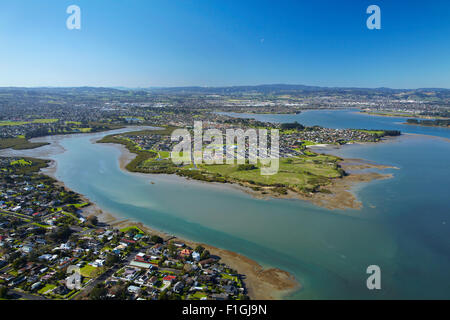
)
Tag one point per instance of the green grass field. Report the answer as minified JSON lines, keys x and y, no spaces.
{"x":125,"y":230}
{"x":83,"y":130}
{"x":19,"y":144}
{"x":303,"y":173}
{"x":89,"y":271}
{"x":47,"y":287}
{"x":306,"y":173}
{"x":20,"y":162}
{"x":376,"y":132}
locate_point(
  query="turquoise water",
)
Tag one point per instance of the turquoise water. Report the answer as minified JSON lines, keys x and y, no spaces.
{"x":404,"y":226}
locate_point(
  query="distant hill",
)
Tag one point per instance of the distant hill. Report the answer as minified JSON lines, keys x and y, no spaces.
{"x":286,"y":88}
{"x":426,"y":94}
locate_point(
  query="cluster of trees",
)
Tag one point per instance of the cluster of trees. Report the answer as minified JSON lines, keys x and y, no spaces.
{"x":392,"y":133}
{"x":60,"y":234}
{"x":204,"y":254}
{"x":201,"y":175}
{"x":246,"y":167}
{"x":437,"y":122}
{"x":38,"y":132}
{"x":293,"y":125}
{"x":92,"y":220}
{"x":156,"y":239}
{"x":3,"y":292}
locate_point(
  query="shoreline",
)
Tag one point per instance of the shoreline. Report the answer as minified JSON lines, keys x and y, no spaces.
{"x":261,"y":283}
{"x":426,"y":125}
{"x":411,"y":116}
{"x":341,"y":196}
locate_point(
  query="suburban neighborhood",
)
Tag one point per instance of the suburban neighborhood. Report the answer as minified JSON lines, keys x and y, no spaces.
{"x":49,"y":249}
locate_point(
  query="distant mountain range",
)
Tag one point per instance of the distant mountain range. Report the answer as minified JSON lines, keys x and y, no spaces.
{"x":430,"y":94}
{"x":282,"y":87}
{"x":427,"y":94}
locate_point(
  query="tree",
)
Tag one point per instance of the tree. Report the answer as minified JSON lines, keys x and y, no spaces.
{"x":60,"y":274}
{"x":163,"y":296}
{"x":246,"y":167}
{"x":295,"y":125}
{"x":19,"y":262}
{"x":199,"y":249}
{"x":33,"y":256}
{"x":93,"y":220}
{"x":205,"y":255}
{"x":413,"y":121}
{"x":61,"y":233}
{"x":98,"y":293}
{"x":156,"y":239}
{"x":3,"y":292}
{"x":111,"y":260}
{"x":172,"y":249}
{"x":71,"y":209}
{"x":121,"y":293}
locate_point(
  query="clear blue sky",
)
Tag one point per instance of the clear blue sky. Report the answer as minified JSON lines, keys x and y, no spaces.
{"x":141,"y":43}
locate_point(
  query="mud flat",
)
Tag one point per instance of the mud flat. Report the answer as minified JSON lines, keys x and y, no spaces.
{"x":261,"y":284}
{"x":340,"y":196}
{"x":264,"y":284}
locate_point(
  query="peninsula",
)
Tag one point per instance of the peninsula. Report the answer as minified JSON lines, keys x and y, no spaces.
{"x":318,"y":178}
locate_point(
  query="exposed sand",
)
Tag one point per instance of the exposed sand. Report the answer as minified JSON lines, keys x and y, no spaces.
{"x":261,"y":284}
{"x":340,"y":198}
{"x":417,"y":116}
{"x":426,"y":125}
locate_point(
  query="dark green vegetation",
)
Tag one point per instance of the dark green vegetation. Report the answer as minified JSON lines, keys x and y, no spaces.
{"x":290,"y":126}
{"x":436,"y":123}
{"x":24,"y":166}
{"x":145,"y":160}
{"x":382,"y":133}
{"x":68,"y":128}
{"x":19,"y":144}
{"x":246,"y":167}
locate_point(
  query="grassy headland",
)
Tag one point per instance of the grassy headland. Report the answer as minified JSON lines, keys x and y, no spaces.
{"x":430,"y":123}
{"x":304,"y":174}
{"x":143,"y":156}
{"x":19,"y":144}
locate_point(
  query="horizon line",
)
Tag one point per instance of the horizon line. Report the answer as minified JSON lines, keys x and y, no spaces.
{"x":217,"y":87}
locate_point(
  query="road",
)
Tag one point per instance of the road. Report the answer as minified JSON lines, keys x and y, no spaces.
{"x":27,"y":296}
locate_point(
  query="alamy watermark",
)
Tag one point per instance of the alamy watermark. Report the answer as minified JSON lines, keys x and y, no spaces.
{"x":374,"y":20}
{"x":211,"y":146}
{"x":374,"y":280}
{"x":73,"y":22}
{"x":73,"y":281}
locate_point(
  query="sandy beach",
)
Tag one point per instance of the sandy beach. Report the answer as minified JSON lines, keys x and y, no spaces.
{"x":261,"y":284}
{"x":341,"y":196}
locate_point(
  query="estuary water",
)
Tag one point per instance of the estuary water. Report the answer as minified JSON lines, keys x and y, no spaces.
{"x":403,"y":227}
{"x":346,"y":118}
